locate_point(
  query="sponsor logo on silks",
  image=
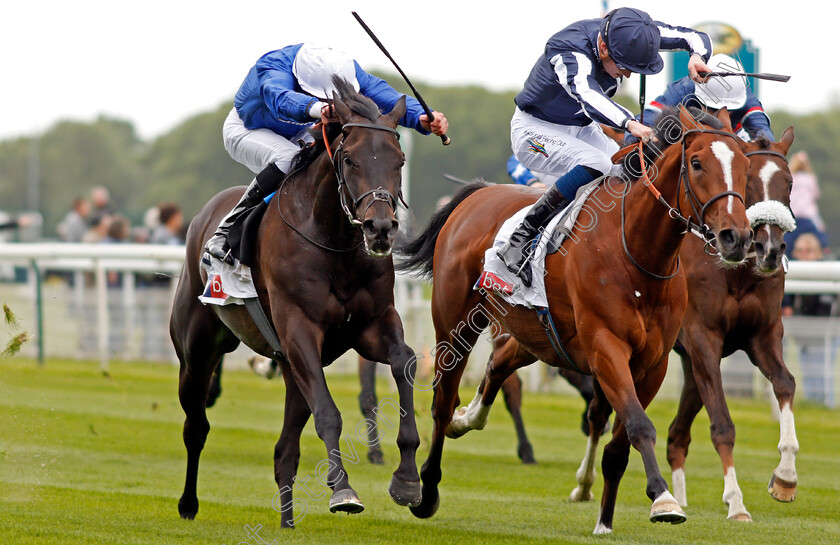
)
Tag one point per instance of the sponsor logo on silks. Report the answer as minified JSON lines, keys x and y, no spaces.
{"x":490,"y":281}
{"x":214,"y":289}
{"x":536,"y":147}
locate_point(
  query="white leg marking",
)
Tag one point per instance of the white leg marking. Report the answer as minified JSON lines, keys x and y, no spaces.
{"x":586,"y":473}
{"x":678,"y":484}
{"x":471,"y":417}
{"x":732,"y":495}
{"x":788,"y":445}
{"x":725,"y":155}
{"x":600,"y":528}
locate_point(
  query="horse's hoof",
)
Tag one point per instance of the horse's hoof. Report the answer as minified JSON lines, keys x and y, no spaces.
{"x":188,"y":508}
{"x":781,"y":490}
{"x":578,"y":495}
{"x":375,"y":457}
{"x":427,"y":507}
{"x":740,"y":517}
{"x":406,"y":493}
{"x":667,"y":510}
{"x":346,"y":501}
{"x":526,"y":454}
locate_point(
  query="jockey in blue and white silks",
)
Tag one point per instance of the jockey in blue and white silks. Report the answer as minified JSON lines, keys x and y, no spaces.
{"x":282,"y":96}
{"x":569,"y":87}
{"x":745,"y":111}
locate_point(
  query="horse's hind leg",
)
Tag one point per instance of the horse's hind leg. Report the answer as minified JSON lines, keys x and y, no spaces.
{"x":287,"y":455}
{"x":215,"y":388}
{"x":507,"y":357}
{"x":583,"y":384}
{"x":679,"y":433}
{"x":199,"y":356}
{"x":512,"y":393}
{"x":765,"y":351}
{"x":368,"y":404}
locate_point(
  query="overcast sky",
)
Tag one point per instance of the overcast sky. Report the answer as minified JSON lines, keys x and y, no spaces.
{"x":156,"y":63}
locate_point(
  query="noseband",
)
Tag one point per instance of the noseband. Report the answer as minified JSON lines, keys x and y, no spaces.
{"x":771,"y":212}
{"x":345,"y":195}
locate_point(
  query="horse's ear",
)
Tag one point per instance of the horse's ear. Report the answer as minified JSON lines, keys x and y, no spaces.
{"x":397,"y":112}
{"x":687,"y":120}
{"x":786,"y":140}
{"x":341,"y":109}
{"x":723,"y":116}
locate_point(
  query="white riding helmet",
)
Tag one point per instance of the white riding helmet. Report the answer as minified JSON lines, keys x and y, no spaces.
{"x":729,"y":91}
{"x":315,"y":65}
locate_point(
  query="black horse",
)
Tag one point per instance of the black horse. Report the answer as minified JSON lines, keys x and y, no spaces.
{"x":325,"y":277}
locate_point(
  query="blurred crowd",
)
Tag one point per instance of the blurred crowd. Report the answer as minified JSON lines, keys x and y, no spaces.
{"x":93,"y":219}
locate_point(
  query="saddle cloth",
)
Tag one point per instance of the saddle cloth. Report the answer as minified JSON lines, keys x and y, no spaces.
{"x":226,"y":284}
{"x":496,"y":276}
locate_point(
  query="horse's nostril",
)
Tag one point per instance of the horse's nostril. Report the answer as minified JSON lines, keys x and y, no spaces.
{"x":759,"y":248}
{"x":727,"y":238}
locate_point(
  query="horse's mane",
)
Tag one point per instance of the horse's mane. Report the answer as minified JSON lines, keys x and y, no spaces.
{"x":356,"y":102}
{"x":668,"y":130}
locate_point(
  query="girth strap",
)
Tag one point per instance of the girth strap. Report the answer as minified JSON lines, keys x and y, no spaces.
{"x":252,"y":304}
{"x":548,"y":325}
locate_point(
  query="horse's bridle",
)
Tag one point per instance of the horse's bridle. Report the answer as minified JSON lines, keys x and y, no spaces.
{"x":765,"y":220}
{"x":674,"y":212}
{"x":344,"y":192}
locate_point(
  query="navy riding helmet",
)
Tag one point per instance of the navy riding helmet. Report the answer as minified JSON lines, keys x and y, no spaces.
{"x":632,"y":39}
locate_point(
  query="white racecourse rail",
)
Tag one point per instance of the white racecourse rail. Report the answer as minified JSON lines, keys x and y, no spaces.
{"x":95,"y":261}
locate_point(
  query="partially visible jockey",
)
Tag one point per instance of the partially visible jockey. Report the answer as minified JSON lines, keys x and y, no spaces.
{"x":283,"y":95}
{"x":745,"y":111}
{"x":570,"y":86}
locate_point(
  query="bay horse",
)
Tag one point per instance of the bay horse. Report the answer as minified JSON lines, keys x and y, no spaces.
{"x":324,"y":274}
{"x":739,"y":309}
{"x":618,"y":299}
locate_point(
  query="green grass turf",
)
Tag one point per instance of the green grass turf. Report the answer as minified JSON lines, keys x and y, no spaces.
{"x":89,"y":459}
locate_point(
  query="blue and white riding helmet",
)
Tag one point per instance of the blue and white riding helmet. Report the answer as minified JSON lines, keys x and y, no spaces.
{"x":315,"y":66}
{"x":632,"y":39}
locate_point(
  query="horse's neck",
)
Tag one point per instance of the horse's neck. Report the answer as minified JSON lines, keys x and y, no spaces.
{"x":653,"y":237}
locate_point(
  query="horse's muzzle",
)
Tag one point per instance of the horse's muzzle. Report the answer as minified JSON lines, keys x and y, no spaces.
{"x":380,"y":235}
{"x":733,"y":244}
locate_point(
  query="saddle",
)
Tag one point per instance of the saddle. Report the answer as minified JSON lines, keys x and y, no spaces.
{"x":242,"y":237}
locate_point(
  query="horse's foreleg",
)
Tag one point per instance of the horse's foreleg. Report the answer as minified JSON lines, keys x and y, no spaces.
{"x":705,"y":351}
{"x":679,"y":433}
{"x":598,"y":414}
{"x":629,"y":400}
{"x":368,"y":405}
{"x":387,"y":335}
{"x":303,"y":352}
{"x":765,"y":351}
{"x":287,"y":456}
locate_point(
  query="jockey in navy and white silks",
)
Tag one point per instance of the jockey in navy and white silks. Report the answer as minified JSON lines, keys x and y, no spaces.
{"x":745,"y":111}
{"x":282,"y":96}
{"x":570,"y":86}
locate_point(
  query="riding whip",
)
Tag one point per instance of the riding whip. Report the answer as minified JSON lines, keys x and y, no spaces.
{"x":445,"y":139}
{"x":771,"y":77}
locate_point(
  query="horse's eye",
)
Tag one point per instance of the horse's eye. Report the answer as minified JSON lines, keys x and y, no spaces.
{"x":695,"y":164}
{"x":348,"y":161}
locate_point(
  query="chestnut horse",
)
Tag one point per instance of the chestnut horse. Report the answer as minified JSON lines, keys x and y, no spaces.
{"x":730,"y":310}
{"x":326,"y":284}
{"x":739,"y":309}
{"x":617,"y":296}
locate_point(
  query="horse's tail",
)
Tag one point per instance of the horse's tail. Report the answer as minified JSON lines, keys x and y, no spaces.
{"x":417,"y":256}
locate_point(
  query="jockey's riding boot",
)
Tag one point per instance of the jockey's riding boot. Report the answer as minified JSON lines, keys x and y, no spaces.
{"x":266,"y":181}
{"x":518,"y":249}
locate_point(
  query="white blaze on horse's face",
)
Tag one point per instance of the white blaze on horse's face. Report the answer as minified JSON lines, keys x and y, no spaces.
{"x":766,"y":174}
{"x":725,"y":155}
